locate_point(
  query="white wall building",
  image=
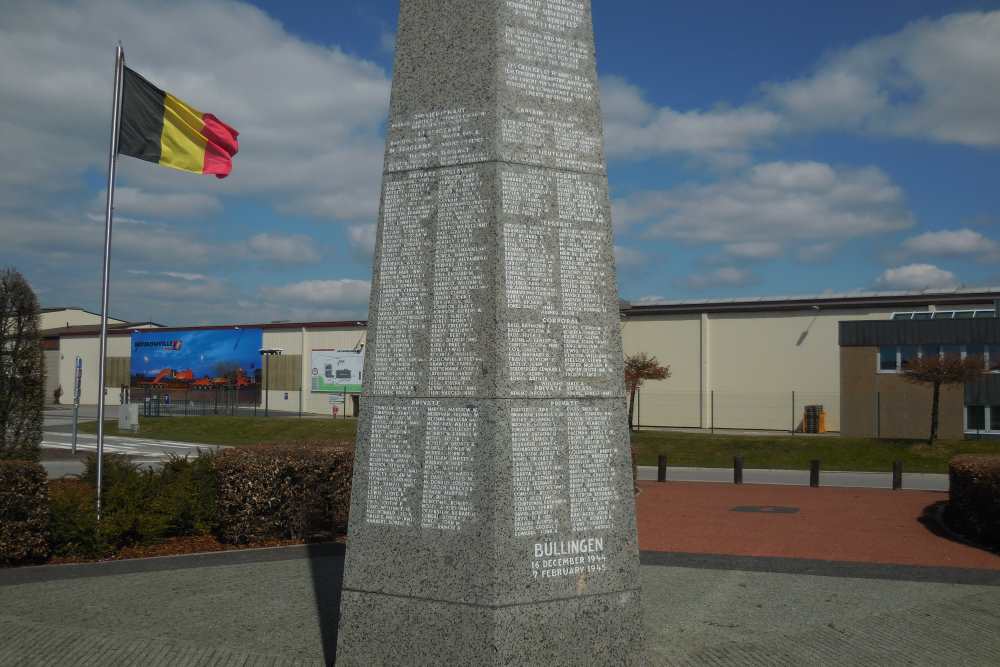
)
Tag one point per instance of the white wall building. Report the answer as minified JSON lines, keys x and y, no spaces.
{"x":290,"y":393}
{"x":756,"y":363}
{"x":736,"y":364}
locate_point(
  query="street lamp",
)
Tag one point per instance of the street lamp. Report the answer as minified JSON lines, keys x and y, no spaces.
{"x":268,"y":352}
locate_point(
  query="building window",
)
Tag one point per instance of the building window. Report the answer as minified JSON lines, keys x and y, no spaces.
{"x":975,"y":418}
{"x":982,"y":419}
{"x":887,"y":359}
{"x":893,"y":359}
{"x":993,"y":358}
{"x":944,"y":315}
{"x":954,"y":351}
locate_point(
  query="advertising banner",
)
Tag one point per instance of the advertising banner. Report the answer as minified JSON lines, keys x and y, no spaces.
{"x":197,"y":358}
{"x":337,"y":371}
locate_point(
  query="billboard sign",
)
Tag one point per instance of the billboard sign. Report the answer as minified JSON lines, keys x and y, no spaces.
{"x":197,"y":358}
{"x":337,"y":371}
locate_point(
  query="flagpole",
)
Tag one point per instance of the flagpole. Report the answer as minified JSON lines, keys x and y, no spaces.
{"x":109,"y":211}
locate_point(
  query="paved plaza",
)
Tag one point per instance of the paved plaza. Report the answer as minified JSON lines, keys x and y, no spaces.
{"x":279,"y":607}
{"x":720,"y":587}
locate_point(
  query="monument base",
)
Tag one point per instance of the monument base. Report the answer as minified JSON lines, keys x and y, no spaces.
{"x":589,"y":630}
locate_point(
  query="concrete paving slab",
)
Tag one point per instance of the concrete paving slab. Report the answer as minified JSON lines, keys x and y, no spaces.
{"x":266,"y":608}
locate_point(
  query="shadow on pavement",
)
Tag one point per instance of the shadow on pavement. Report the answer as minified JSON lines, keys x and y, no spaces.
{"x":326,"y":562}
{"x":935,"y":519}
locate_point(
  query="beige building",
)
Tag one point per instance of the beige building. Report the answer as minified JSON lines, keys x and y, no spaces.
{"x":757,"y":363}
{"x":735,"y":364}
{"x":64,"y":318}
{"x":53,"y":324}
{"x":289,"y":384}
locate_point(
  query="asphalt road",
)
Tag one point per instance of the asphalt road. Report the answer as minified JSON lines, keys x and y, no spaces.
{"x":866,"y":480}
{"x":59,"y":427}
{"x":57,"y":440}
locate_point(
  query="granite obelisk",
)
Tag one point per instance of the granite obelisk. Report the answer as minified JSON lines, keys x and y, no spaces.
{"x":492,"y":514}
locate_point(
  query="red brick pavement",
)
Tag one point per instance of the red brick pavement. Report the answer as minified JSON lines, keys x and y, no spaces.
{"x":855,"y":525}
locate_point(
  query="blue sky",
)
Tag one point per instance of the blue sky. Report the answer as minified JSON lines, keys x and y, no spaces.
{"x":765,"y":148}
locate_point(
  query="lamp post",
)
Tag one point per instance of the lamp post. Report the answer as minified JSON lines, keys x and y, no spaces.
{"x":268,"y":352}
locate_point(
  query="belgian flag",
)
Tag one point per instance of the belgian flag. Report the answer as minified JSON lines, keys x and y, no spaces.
{"x":158,"y":127}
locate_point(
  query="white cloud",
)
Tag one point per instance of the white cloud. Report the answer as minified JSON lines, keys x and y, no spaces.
{"x":799,"y":201}
{"x":649,"y":300}
{"x":635,"y":128}
{"x":727,"y":276}
{"x":934,"y":79}
{"x":135,"y":201}
{"x":629,"y":258}
{"x":192,"y":277}
{"x":387,"y":40}
{"x":916,"y":277}
{"x":322,"y":292}
{"x":309,"y":116}
{"x":817,"y":252}
{"x":638,"y":207}
{"x":283,"y":249}
{"x":362,"y":240}
{"x":756,"y":250}
{"x":957,"y":243}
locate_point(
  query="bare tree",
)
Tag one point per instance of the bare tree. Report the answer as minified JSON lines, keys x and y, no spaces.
{"x":937,"y":371}
{"x":22,"y":371}
{"x":640,"y":367}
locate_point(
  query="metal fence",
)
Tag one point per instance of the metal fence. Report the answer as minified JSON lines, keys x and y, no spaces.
{"x":720,"y":409}
{"x":162,"y":402}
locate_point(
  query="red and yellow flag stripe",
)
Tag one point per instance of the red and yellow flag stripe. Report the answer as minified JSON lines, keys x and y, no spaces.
{"x":158,"y":127}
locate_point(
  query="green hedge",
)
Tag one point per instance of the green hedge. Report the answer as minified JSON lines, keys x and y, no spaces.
{"x":73,"y":530}
{"x":24,"y":517}
{"x":282,"y":492}
{"x":242,"y":496}
{"x":974,"y":500}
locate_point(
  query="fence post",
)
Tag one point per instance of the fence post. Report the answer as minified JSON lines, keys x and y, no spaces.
{"x":878,"y":415}
{"x":814,"y":473}
{"x":638,"y":409}
{"x":897,"y":475}
{"x":793,"y":412}
{"x":713,"y":412}
{"x":661,"y":468}
{"x":737,"y":470}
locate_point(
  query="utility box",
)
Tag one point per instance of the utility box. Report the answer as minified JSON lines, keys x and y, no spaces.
{"x":128,"y":417}
{"x":814,"y":420}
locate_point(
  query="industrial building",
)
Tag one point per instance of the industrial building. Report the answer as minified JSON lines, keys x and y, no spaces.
{"x":285,"y":381}
{"x":758,"y":363}
{"x":753,"y":364}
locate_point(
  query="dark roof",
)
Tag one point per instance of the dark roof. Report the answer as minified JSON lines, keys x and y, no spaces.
{"x":872,"y":333}
{"x":858,"y":300}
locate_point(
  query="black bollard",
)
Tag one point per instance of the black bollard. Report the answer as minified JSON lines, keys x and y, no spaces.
{"x":661,"y":468}
{"x":897,"y":475}
{"x":738,"y":470}
{"x":814,"y":473}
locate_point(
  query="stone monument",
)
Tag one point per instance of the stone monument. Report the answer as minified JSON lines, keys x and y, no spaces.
{"x":492,"y":516}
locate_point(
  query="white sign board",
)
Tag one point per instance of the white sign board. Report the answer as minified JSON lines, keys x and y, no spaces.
{"x":337,"y":371}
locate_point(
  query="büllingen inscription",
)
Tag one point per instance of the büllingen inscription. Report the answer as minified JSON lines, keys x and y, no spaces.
{"x":492,"y":516}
